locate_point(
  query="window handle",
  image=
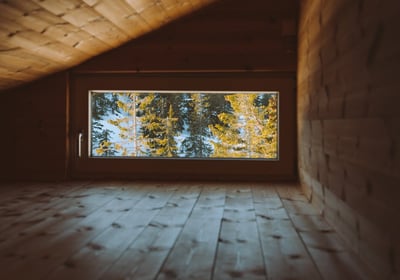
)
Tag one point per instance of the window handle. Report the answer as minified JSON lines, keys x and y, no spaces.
{"x":80,"y":140}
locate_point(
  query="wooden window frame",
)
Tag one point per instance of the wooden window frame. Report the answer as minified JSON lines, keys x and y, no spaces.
{"x":183,"y":169}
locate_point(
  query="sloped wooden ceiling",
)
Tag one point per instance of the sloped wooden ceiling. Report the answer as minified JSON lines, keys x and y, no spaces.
{"x":39,"y":37}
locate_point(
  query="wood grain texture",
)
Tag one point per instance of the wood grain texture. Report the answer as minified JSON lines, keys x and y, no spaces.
{"x":285,"y":255}
{"x":66,"y":33}
{"x":348,"y":142}
{"x":42,"y":37}
{"x":224,"y":36}
{"x":144,"y":230}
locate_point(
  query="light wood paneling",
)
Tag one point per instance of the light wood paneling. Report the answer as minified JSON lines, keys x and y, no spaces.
{"x":66,"y":33}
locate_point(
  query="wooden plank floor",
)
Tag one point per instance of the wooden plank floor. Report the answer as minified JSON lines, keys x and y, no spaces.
{"x":144,"y":230}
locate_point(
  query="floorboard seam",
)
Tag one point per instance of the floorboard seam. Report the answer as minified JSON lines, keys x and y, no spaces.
{"x":299,"y":235}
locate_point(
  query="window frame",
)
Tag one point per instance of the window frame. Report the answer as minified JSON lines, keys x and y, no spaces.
{"x":180,"y":168}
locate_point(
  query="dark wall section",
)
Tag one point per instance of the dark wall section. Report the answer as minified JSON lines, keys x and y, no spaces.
{"x":349,"y":122}
{"x":7,"y":136}
{"x":34,"y":130}
{"x":227,"y":35}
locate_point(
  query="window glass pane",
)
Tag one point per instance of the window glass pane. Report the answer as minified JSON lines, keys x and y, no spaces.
{"x":240,"y":125}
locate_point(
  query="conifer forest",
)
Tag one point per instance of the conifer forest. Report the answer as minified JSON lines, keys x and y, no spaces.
{"x":184,"y":124}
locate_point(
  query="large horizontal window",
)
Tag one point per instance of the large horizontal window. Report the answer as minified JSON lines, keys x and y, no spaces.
{"x":184,"y":124}
{"x":178,"y":126}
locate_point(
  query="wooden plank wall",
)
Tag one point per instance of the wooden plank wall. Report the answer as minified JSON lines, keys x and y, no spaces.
{"x":226,"y":36}
{"x":349,"y":122}
{"x":34,"y":129}
{"x":6,"y":138}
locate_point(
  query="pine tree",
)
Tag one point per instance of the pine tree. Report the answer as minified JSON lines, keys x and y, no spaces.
{"x":128,"y":123}
{"x":170,"y":123}
{"x":196,"y":144}
{"x":106,"y":147}
{"x":159,"y":126}
{"x":268,"y":137}
{"x":102,"y":104}
{"x":249,"y":131}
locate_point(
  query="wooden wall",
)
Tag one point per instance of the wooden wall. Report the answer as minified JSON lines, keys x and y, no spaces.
{"x":7,"y":139}
{"x":226,"y":36}
{"x":34,"y":129}
{"x":349,"y":122}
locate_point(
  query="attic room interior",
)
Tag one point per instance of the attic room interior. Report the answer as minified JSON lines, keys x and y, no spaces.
{"x":314,"y":198}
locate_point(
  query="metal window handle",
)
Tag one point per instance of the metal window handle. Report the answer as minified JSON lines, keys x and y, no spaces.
{"x":80,"y":140}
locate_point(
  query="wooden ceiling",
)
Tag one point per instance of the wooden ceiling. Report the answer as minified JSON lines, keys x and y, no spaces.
{"x":39,"y":37}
